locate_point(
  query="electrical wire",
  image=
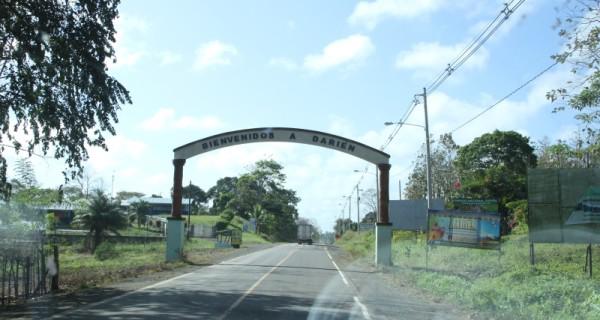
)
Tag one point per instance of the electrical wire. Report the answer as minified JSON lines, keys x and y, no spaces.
{"x":477,"y":43}
{"x":506,"y":97}
{"x":465,"y":54}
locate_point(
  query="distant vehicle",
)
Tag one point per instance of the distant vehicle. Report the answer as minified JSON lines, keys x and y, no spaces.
{"x":305,"y":233}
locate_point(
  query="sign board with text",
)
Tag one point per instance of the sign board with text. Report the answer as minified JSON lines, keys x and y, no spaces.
{"x":470,"y":223}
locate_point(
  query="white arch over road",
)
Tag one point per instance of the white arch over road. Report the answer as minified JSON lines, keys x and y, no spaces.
{"x":279,"y":134}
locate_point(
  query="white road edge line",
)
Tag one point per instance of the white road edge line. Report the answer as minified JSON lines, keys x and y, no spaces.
{"x":91,"y":305}
{"x":256,"y":284}
{"x":337,"y":268}
{"x":363,"y":308}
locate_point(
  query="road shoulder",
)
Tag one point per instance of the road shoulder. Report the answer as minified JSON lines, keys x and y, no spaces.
{"x":387,"y":296}
{"x":51,"y":304}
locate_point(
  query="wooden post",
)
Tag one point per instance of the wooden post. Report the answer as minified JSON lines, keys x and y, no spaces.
{"x":588,"y":262}
{"x":383,"y":216}
{"x":531,"y":254}
{"x":54,"y":285}
{"x":27,"y":272}
{"x":177,"y":188}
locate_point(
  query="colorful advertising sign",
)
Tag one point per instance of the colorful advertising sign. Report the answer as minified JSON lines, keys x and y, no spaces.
{"x":471,"y":225}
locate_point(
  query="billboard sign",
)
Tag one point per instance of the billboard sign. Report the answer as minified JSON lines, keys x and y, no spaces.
{"x":564,"y":205}
{"x":411,"y":215}
{"x":471,"y":224}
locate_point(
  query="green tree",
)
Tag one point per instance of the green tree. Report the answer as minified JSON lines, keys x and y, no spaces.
{"x":221,"y":193}
{"x":579,"y":26}
{"x":494,"y":166}
{"x":443,"y":172}
{"x":196,"y":194}
{"x":124,"y":195}
{"x":54,"y":83}
{"x":25,"y":173}
{"x":35,"y":196}
{"x":140,"y":209}
{"x":100,"y":217}
{"x":258,"y":213}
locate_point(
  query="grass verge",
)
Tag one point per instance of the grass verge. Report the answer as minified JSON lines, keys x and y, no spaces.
{"x":495,"y":284}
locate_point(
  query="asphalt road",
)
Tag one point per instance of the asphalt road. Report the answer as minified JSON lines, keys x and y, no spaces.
{"x":284,"y":282}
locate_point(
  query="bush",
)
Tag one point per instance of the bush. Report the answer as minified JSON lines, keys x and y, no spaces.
{"x":221,"y":225}
{"x":106,"y":250}
{"x":227,"y":215}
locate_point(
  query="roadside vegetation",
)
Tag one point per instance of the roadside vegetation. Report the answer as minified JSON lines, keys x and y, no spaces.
{"x":494,"y":284}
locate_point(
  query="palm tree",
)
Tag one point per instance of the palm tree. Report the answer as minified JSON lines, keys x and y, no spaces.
{"x":140,"y":209}
{"x":257,"y":213}
{"x":101,"y":216}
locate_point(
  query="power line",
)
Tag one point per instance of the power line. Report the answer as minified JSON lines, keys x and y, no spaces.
{"x":469,"y":51}
{"x":472,"y":48}
{"x":506,"y":96}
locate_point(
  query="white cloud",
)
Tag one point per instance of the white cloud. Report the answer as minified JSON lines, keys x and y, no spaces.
{"x":119,"y":148}
{"x":347,"y":51}
{"x":206,"y":122}
{"x":169,"y":57}
{"x":283,"y":63}
{"x":369,"y":14}
{"x":214,"y":53}
{"x":165,"y":118}
{"x":159,"y":120}
{"x":432,"y":56}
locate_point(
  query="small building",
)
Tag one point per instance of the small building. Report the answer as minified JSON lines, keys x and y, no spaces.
{"x":63,"y":213}
{"x":158,"y":205}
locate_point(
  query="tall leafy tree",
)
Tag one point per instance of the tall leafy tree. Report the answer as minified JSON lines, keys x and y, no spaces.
{"x":443,"y":172}
{"x":124,"y":195}
{"x":221,"y":193}
{"x":25,"y":173}
{"x":579,"y":26}
{"x":54,"y":83}
{"x":494,"y":166}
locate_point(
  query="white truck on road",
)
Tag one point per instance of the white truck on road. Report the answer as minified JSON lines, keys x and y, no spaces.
{"x":305,"y":233}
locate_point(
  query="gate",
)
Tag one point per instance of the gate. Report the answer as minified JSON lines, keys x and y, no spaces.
{"x":23,"y":269}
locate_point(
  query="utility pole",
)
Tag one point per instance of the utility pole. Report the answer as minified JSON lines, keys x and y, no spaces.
{"x":399,"y":189}
{"x":189,"y":210}
{"x":350,"y":211}
{"x":357,"y":209}
{"x":429,"y":191}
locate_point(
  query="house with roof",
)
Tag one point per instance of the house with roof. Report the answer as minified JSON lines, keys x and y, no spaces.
{"x":158,"y":206}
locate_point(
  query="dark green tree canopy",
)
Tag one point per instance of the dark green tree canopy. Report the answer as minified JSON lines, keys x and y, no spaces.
{"x":495,"y":166}
{"x":507,"y":149}
{"x":54,"y":84}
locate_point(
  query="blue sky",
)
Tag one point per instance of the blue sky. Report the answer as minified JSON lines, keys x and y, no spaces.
{"x":198,"y":68}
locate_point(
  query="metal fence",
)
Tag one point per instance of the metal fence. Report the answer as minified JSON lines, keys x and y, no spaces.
{"x":25,"y":270}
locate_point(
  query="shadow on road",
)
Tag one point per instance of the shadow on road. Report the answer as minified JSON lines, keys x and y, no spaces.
{"x":184,"y":302}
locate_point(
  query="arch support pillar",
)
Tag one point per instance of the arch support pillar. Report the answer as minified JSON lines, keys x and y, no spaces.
{"x":175,"y":224}
{"x":383,"y":229}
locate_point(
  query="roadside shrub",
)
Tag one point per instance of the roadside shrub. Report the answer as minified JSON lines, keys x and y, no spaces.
{"x":106,"y":250}
{"x":221,"y":225}
{"x":518,"y":211}
{"x":227,"y":215}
